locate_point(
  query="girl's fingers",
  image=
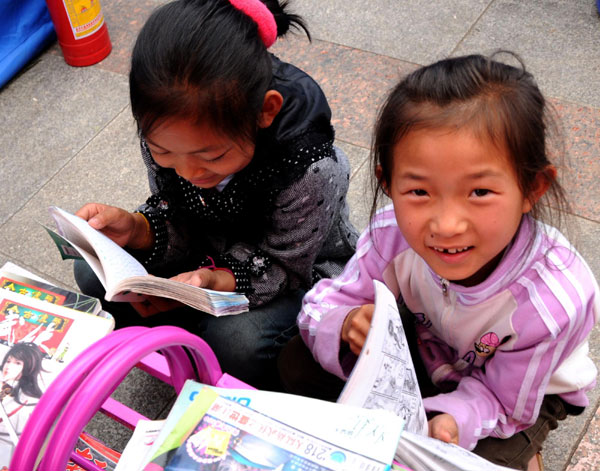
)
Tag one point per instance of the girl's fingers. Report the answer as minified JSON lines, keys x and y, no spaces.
{"x":356,"y":327}
{"x":444,"y":428}
{"x":200,"y":278}
{"x":89,"y":210}
{"x":108,"y":217}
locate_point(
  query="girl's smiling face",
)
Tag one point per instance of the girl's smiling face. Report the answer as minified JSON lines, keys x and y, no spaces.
{"x":456,"y":200}
{"x":196,"y":152}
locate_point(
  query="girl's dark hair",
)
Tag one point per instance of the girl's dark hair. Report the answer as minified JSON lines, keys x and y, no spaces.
{"x":495,"y":100}
{"x":31,"y":356}
{"x":203,"y":60}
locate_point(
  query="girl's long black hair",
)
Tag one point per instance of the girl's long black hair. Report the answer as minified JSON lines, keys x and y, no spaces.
{"x":493,"y":99}
{"x":203,"y":60}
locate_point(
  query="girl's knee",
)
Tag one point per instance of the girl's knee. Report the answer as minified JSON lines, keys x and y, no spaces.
{"x":301,"y":374}
{"x":516,"y":451}
{"x":241,"y":348}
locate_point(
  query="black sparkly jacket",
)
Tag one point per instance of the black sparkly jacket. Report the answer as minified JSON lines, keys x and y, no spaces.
{"x":280,"y":223}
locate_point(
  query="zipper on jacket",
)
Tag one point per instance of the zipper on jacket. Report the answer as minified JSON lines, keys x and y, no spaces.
{"x":444,"y":284}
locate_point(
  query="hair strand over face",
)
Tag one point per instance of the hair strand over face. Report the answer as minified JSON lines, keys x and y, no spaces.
{"x":203,"y":61}
{"x":492,"y":99}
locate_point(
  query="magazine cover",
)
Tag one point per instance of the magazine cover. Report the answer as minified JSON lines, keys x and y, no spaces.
{"x":12,"y":280}
{"x":231,"y":436}
{"x":371,"y":433}
{"x":37,"y":340}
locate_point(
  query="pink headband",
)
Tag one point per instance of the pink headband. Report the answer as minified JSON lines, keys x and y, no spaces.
{"x":262,"y":16}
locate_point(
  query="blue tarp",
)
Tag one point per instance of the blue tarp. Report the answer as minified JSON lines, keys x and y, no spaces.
{"x":25,"y":30}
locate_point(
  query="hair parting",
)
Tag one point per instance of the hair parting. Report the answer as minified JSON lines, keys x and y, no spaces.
{"x":204,"y":61}
{"x":494,"y":100}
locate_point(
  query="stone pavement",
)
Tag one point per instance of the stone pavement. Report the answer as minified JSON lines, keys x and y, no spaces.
{"x":68,"y":136}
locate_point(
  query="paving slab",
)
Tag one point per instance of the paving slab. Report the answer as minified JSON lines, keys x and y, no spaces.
{"x":558,"y":40}
{"x":581,"y":166}
{"x":418,"y":31}
{"x":586,"y":457}
{"x":45,"y":117}
{"x":108,"y":170}
{"x":355,"y":82}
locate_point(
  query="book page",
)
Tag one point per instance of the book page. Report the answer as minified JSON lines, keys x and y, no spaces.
{"x":217,"y":303}
{"x":426,"y":453}
{"x":115,"y":263}
{"x":144,"y":435}
{"x":384,"y":376}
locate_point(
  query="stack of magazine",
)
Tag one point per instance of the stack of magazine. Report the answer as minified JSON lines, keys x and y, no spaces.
{"x":212,"y":428}
{"x":42,"y":329}
{"x":378,"y":423}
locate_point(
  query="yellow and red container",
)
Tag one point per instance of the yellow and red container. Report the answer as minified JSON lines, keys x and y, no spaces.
{"x":81,"y":30}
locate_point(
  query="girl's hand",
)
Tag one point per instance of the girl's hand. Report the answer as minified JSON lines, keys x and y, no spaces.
{"x":123,"y":227}
{"x":444,"y":428}
{"x":356,"y":327}
{"x":218,"y":280}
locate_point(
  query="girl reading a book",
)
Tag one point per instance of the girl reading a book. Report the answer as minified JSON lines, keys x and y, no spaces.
{"x":248,"y":190}
{"x":19,"y":391}
{"x":503,"y":304}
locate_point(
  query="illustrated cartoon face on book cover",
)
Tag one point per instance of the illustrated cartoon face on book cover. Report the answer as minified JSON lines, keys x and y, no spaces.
{"x":20,"y":322}
{"x":38,"y":339}
{"x":21,"y":368}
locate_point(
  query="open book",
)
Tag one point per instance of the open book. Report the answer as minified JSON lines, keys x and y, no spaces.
{"x":384,"y":378}
{"x":124,"y":278}
{"x":37,"y":340}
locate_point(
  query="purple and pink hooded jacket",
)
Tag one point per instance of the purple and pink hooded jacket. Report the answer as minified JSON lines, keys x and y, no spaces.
{"x":507,"y":342}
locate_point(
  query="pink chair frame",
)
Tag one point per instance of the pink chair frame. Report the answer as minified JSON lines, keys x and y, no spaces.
{"x":85,"y":386}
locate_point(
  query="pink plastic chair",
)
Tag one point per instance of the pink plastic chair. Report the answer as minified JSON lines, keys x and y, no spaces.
{"x":85,"y":386}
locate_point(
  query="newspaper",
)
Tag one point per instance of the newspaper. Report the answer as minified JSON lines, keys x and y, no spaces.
{"x":384,"y":375}
{"x":372,"y":434}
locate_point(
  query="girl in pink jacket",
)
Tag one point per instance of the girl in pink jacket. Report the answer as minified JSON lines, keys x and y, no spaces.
{"x":503,"y":303}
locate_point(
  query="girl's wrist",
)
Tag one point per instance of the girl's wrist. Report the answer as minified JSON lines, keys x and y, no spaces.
{"x":223,"y":280}
{"x":346,"y":325}
{"x":142,"y":236}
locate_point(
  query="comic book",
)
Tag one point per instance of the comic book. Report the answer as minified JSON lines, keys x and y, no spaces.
{"x":19,"y":280}
{"x":37,"y":340}
{"x":384,"y":378}
{"x":384,"y":375}
{"x":126,"y":279}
